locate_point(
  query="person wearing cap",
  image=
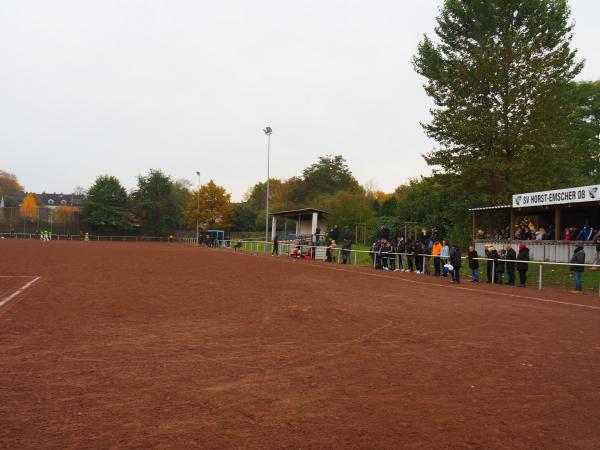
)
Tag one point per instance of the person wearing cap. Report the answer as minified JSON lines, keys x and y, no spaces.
{"x":522,"y":264}
{"x":456,"y":263}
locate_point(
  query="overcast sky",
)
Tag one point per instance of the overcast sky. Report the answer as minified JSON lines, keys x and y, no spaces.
{"x":118,"y":87}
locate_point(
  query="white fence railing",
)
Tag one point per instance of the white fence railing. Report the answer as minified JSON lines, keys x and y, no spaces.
{"x":419,"y":261}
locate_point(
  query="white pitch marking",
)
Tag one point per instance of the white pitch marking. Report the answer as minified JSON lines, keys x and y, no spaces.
{"x":4,"y":301}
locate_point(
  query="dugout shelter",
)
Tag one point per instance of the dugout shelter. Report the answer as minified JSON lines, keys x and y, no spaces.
{"x":307,"y":220}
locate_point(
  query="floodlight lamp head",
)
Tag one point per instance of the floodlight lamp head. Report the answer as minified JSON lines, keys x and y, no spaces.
{"x":197,"y":173}
{"x":268,"y":131}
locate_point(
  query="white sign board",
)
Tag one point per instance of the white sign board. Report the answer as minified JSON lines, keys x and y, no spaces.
{"x":558,"y":196}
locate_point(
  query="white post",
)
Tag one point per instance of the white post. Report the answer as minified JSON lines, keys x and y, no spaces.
{"x":540,"y":278}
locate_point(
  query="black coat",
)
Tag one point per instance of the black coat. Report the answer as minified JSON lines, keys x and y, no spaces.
{"x":578,"y":258}
{"x":523,"y":257}
{"x":473,"y":263}
{"x":511,"y":254}
{"x":455,"y":258}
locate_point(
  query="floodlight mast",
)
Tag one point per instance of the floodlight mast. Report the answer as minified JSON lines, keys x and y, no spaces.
{"x":198,"y":212}
{"x":268,"y":132}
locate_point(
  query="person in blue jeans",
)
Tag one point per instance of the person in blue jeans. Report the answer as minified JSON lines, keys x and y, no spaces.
{"x":578,"y":258}
{"x":473,"y":264}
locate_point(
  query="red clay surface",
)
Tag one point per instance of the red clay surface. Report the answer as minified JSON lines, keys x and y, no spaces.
{"x":158,"y":345}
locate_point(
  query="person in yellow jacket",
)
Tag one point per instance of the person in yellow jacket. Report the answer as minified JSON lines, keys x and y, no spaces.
{"x":436,"y":251}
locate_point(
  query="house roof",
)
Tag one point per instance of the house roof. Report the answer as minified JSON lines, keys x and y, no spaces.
{"x":54,"y":199}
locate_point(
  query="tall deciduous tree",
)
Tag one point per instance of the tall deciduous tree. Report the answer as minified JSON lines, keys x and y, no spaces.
{"x":106,"y":204}
{"x":9,"y":188}
{"x":29,"y":207}
{"x":496,"y":77}
{"x":155,"y":204}
{"x":215,"y":207}
{"x":330,"y":174}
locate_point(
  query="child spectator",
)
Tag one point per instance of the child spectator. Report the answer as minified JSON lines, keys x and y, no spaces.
{"x":400,"y":248}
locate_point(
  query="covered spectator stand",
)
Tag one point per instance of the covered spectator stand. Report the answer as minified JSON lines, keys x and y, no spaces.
{"x":547,"y":213}
{"x":307,"y":221}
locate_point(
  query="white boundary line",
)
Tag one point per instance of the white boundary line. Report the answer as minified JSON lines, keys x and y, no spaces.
{"x":5,"y":300}
{"x":424,"y":283}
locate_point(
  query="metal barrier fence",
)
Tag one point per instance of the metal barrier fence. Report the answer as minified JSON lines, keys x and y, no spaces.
{"x":403,"y":260}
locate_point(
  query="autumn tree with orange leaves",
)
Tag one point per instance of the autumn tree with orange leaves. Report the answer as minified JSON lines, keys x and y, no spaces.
{"x":29,"y":207}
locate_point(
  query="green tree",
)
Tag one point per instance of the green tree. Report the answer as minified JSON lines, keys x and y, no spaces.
{"x":585,"y":127}
{"x":346,"y":208}
{"x":106,"y":204}
{"x":182,"y":191}
{"x":496,"y":78}
{"x":330,"y":174}
{"x":155,"y":204}
{"x":244,"y":217}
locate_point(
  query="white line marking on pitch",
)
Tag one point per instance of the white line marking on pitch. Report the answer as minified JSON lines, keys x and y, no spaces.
{"x":4,"y":301}
{"x":506,"y":294}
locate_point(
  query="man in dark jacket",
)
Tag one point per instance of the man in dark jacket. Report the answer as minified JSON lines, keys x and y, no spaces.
{"x":456,"y":263}
{"x":578,"y":258}
{"x":492,"y":255}
{"x":510,"y":265}
{"x":523,"y":265}
{"x":334,"y":234}
{"x":473,"y":264}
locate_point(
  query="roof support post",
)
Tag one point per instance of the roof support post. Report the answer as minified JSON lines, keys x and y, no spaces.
{"x":557,"y":224}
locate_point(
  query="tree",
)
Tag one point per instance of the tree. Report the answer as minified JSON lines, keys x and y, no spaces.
{"x":330,"y":174}
{"x":30,"y":206}
{"x":9,"y":188}
{"x":243,"y":217}
{"x":182,"y":191}
{"x":346,"y":208}
{"x":585,"y":126}
{"x":496,"y":78}
{"x":155,"y":204}
{"x":215,"y":208}
{"x":106,"y":204}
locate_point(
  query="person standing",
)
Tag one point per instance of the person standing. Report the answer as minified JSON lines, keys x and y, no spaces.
{"x":436,"y":251}
{"x":577,"y":258}
{"x":456,"y":262}
{"x":597,"y":259}
{"x":410,"y":250}
{"x":275,"y":251}
{"x":492,"y":256}
{"x":473,"y":264}
{"x":523,"y":264}
{"x":511,"y":256}
{"x":400,"y":249}
{"x":445,"y":253}
{"x":418,"y":252}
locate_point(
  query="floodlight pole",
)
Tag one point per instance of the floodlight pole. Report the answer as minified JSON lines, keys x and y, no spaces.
{"x":198,"y":212}
{"x":268,"y":132}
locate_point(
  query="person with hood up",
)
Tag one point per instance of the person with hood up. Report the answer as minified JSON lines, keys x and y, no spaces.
{"x":577,"y":258}
{"x":523,"y":265}
{"x":455,"y":261}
